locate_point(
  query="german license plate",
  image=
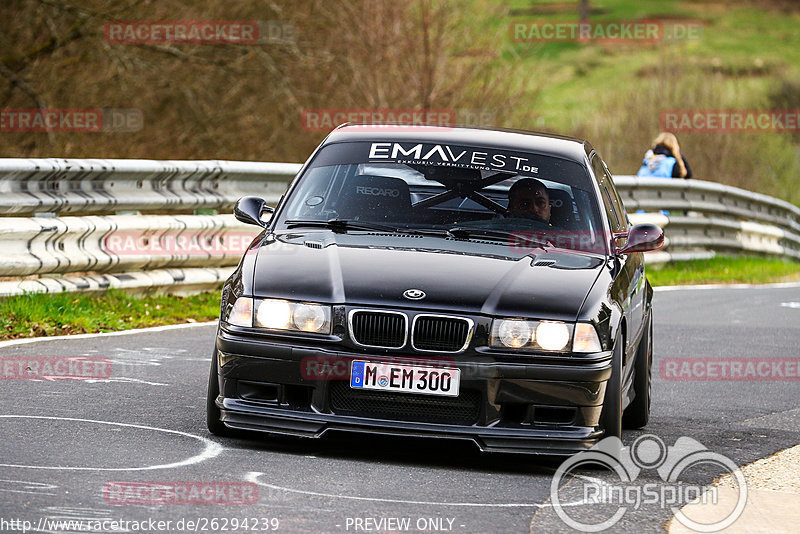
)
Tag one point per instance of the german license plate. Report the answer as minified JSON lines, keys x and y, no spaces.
{"x":405,"y":378}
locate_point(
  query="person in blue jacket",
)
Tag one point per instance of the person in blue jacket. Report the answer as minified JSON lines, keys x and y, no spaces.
{"x":664,"y":160}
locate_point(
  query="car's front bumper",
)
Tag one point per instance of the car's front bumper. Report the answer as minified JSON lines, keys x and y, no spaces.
{"x":297,"y":389}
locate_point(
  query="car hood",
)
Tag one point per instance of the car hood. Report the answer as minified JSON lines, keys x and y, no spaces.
{"x":463,"y":276}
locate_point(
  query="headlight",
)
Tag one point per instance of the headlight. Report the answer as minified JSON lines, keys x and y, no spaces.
{"x":586,"y":339}
{"x":298,"y":316}
{"x":552,"y":336}
{"x":309,"y":318}
{"x":530,"y":335}
{"x":274,"y":314}
{"x":242,"y":312}
{"x":515,"y":334}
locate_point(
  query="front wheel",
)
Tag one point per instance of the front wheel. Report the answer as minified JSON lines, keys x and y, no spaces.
{"x":611,"y":416}
{"x":213,"y":421}
{"x":637,"y":414}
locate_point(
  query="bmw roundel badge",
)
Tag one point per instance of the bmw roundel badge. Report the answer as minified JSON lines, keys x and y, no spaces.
{"x":414,"y":294}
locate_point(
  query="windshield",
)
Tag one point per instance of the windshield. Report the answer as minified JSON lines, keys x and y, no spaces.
{"x":459,"y":190}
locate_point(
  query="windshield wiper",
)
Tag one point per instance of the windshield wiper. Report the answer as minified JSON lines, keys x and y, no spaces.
{"x":464,"y":232}
{"x":457,"y":232}
{"x":341,"y":225}
{"x":430,"y":232}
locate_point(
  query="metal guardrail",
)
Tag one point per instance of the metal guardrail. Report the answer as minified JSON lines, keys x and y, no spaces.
{"x":120,"y":243}
{"x":79,"y":218}
{"x":94,"y":186}
{"x":51,"y":250}
{"x":712,"y":217}
{"x":183,"y":252}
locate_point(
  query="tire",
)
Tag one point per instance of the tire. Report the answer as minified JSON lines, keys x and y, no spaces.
{"x":213,"y":421}
{"x":611,"y":416}
{"x":637,"y":414}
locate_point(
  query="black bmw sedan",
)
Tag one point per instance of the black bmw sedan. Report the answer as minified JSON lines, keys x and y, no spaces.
{"x":448,"y":282}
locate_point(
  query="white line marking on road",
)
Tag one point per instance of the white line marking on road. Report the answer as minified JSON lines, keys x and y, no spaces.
{"x":105,"y":334}
{"x":795,"y":305}
{"x":124,"y":380}
{"x":211,"y":450}
{"x":26,"y":485}
{"x":253,"y":477}
{"x":780,"y":285}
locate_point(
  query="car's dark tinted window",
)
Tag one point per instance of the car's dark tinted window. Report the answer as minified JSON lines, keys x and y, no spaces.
{"x":412,"y":185}
{"x":615,"y":198}
{"x":616,"y":218}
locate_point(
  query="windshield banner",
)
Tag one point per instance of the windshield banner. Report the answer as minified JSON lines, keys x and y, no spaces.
{"x":442,"y":155}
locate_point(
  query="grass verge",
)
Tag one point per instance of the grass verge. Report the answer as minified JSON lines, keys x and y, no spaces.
{"x":724,"y":270}
{"x":75,"y":313}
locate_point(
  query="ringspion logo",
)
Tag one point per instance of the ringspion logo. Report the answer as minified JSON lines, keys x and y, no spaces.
{"x":624,"y":489}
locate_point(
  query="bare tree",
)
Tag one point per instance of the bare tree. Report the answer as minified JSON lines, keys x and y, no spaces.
{"x":583,"y":10}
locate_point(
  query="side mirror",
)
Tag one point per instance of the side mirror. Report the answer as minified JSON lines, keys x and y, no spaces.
{"x":643,"y":238}
{"x":249,"y":210}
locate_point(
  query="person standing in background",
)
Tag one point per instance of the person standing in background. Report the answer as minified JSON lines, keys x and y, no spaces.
{"x":664,"y":159}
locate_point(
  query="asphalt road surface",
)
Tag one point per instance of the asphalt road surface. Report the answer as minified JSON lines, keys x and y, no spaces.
{"x":71,"y":449}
